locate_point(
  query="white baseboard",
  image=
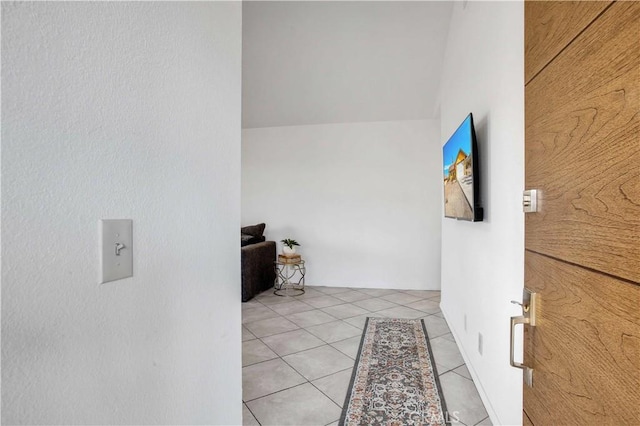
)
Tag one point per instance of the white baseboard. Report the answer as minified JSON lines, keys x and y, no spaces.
{"x":476,"y":380}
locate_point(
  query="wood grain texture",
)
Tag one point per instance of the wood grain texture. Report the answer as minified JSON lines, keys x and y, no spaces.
{"x":550,"y":26}
{"x":582,"y":151}
{"x":585,"y":348}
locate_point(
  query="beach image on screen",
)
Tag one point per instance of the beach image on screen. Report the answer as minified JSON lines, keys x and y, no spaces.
{"x":458,"y":173}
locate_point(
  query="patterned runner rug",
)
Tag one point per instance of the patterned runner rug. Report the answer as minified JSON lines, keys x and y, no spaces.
{"x":394,"y":381}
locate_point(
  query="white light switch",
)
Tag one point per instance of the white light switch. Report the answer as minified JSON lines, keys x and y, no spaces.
{"x":117,"y":249}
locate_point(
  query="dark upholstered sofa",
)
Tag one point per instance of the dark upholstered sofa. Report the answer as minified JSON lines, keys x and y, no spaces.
{"x":258,"y":256}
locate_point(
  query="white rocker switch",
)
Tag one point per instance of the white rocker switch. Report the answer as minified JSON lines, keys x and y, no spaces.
{"x":117,"y":249}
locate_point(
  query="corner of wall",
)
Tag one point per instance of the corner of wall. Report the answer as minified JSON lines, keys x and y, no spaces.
{"x":483,"y":262}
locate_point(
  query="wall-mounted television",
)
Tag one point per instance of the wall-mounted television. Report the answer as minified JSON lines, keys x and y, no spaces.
{"x":461,"y":174}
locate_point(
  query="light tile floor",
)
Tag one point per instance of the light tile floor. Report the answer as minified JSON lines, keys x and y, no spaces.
{"x":298,"y":353}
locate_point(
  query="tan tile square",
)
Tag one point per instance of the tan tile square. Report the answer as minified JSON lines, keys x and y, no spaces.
{"x":346,"y":310}
{"x":246,"y":334}
{"x":268,"y":377}
{"x":445,"y":354}
{"x":270,"y":326}
{"x":318,"y":362}
{"x":462,"y":398}
{"x":349,"y":347}
{"x":449,"y":336}
{"x":485,"y":422}
{"x":401,"y":312}
{"x":377,"y":292}
{"x":401,"y":298}
{"x":292,"y":307}
{"x":324,"y":301}
{"x":360,"y":320}
{"x":307,"y":319}
{"x":463,"y":371}
{"x":375,"y":304}
{"x":436,"y":326}
{"x":423,"y":293}
{"x":352,"y":296}
{"x":441,"y":369}
{"x":257,"y":313}
{"x":268,"y":298}
{"x":425,"y":305}
{"x":251,"y":304}
{"x":309,"y":293}
{"x":332,"y":290}
{"x":292,"y":341}
{"x":335,"y":386}
{"x":247,"y":417}
{"x":254,"y":351}
{"x":301,"y":405}
{"x":334,"y":331}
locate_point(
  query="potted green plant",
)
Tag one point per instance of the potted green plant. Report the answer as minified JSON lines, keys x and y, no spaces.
{"x":289,"y":247}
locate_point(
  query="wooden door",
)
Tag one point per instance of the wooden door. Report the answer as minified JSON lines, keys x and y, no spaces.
{"x":582,"y":248}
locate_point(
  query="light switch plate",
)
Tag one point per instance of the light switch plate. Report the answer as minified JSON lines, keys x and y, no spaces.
{"x":117,"y":249}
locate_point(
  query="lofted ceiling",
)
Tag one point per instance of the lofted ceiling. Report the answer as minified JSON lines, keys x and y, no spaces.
{"x":335,"y":62}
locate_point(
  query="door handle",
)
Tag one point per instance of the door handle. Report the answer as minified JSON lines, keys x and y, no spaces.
{"x":527,"y":318}
{"x":527,"y":371}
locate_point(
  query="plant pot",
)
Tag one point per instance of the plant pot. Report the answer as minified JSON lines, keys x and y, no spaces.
{"x":288,"y":251}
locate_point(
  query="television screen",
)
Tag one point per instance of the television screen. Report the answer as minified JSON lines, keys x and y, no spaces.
{"x":461,"y":177}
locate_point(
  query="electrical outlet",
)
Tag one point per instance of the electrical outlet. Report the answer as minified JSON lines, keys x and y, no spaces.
{"x":465,"y":322}
{"x":480,"y":343}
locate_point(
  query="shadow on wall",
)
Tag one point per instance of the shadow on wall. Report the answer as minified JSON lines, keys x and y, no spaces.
{"x":484,"y":155}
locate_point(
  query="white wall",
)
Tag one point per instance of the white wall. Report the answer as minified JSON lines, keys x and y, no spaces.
{"x":363,"y":199}
{"x":483,"y":74}
{"x":318,"y":62}
{"x":121,"y":110}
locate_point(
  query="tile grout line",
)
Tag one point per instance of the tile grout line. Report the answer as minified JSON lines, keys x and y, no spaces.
{"x":297,"y":352}
{"x":254,"y":416}
{"x":450,"y":370}
{"x":336,"y":372}
{"x":455,"y":368}
{"x":482,"y":420}
{"x":320,"y":390}
{"x":275,"y":392}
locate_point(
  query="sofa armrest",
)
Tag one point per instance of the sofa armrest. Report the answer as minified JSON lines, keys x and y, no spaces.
{"x":258,"y":273}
